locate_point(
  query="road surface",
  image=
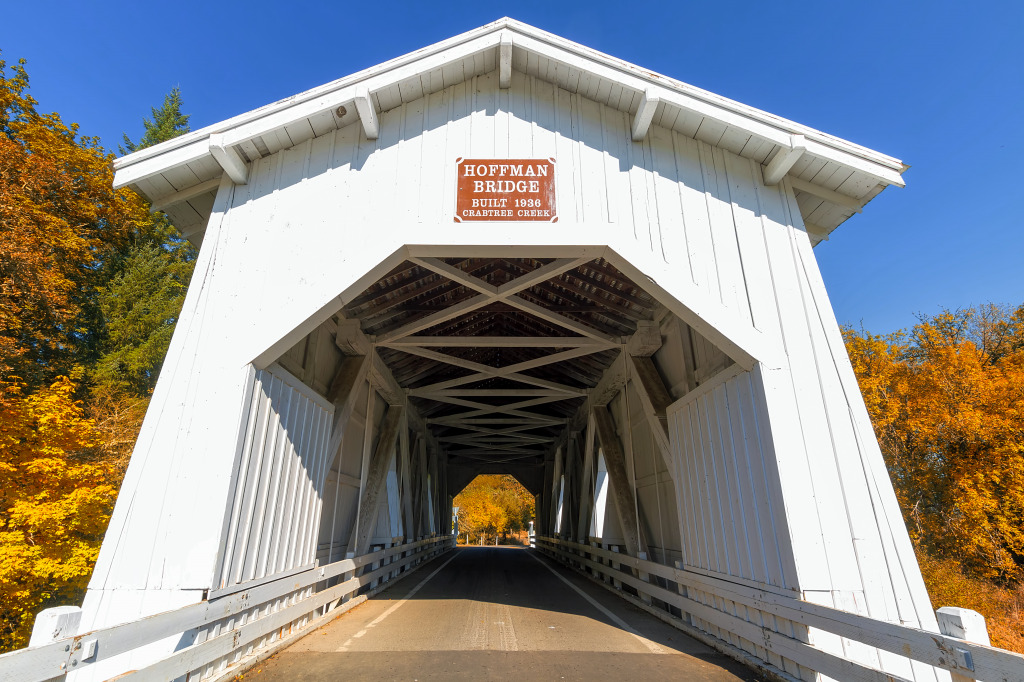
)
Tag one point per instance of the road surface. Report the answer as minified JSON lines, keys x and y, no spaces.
{"x":497,"y":613}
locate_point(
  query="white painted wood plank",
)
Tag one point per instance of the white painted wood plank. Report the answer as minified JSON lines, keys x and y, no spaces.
{"x":759,"y":525}
{"x":672,"y":228}
{"x":732,"y":274}
{"x":817,"y":438}
{"x":711,"y":131}
{"x":591,"y":160}
{"x":734,"y":139}
{"x":431,"y":204}
{"x":702,"y":252}
{"x":738,"y":498}
{"x":299,"y":131}
{"x":724,"y":486}
{"x":567,"y":183}
{"x":616,"y":144}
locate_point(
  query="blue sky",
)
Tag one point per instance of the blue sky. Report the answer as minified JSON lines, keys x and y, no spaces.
{"x":937,"y":84}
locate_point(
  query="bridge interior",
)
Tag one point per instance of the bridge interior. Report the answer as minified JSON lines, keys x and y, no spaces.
{"x":551,"y":369}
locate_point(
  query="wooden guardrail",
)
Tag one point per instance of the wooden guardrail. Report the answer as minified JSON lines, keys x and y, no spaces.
{"x":288,"y":600}
{"x":966,"y":659}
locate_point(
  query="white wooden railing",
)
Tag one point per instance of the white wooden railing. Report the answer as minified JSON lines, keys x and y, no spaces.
{"x":231,"y":629}
{"x":679,"y":588}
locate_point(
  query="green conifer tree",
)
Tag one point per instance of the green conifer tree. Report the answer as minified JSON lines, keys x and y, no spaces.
{"x":142,"y":298}
{"x":168,"y":122}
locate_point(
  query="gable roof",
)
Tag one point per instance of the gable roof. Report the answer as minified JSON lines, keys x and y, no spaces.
{"x":833,"y":178}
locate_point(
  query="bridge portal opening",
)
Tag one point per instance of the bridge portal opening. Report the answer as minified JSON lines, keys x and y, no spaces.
{"x":554,"y":371}
{"x":493,"y":509}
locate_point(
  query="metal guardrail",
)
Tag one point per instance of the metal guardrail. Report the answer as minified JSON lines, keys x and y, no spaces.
{"x":292,"y":605}
{"x":964,"y":659}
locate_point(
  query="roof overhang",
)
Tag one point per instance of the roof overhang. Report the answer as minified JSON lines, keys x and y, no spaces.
{"x":832,"y":178}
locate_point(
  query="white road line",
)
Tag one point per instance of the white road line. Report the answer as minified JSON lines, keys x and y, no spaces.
{"x":397,"y":604}
{"x":651,"y":646}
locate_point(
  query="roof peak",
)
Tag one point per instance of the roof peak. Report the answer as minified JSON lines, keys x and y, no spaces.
{"x":505,"y":45}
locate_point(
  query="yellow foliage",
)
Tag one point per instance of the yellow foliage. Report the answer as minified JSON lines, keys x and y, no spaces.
{"x":493,"y":505}
{"x":55,"y":504}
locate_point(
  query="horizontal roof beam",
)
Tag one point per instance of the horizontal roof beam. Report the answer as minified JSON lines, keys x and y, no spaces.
{"x":497,"y":342}
{"x":644,"y":115}
{"x":367,"y":114}
{"x":229,"y":159}
{"x":828,"y":195}
{"x":184,"y":195}
{"x":784,"y":160}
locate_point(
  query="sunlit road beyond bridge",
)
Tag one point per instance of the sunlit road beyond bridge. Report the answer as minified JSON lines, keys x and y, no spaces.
{"x":636,"y":330}
{"x":499,"y":613}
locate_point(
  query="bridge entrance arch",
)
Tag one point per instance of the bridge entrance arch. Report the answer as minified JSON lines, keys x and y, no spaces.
{"x":659,"y":364}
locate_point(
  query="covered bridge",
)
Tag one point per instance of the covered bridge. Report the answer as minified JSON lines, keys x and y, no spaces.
{"x":509,"y":253}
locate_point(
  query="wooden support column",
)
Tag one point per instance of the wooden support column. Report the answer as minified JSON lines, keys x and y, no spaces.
{"x":618,"y":477}
{"x":654,"y":399}
{"x":543,"y":508}
{"x":423,"y":512}
{"x":565,"y":527}
{"x":586,"y":509}
{"x":406,"y":488}
{"x":376,"y":477}
{"x":556,"y":490}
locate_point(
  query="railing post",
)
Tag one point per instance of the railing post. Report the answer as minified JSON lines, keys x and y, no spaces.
{"x":966,"y":625}
{"x":615,"y":566}
{"x":55,"y":623}
{"x":684,"y":591}
{"x":644,"y":576}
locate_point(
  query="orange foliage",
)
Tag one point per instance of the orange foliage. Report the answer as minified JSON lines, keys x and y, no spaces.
{"x":58,"y":217}
{"x":947,"y":403}
{"x":60,"y":221}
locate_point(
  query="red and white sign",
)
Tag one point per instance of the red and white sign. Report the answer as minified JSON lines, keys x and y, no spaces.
{"x":509,"y":190}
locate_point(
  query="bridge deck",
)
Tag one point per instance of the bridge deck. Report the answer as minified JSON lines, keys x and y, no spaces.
{"x":497,"y":613}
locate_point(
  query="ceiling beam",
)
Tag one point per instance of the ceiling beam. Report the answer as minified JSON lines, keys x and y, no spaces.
{"x":497,"y":342}
{"x":560,"y":320}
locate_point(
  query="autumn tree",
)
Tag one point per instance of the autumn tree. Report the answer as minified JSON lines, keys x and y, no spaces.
{"x":494,"y":505}
{"x":56,"y":504}
{"x":947,"y":403}
{"x":90,"y":286}
{"x":59,"y":221}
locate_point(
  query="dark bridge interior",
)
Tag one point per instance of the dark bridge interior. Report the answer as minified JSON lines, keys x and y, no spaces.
{"x":498,"y":354}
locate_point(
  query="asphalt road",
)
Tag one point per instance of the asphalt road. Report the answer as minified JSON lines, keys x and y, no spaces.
{"x":497,"y":613}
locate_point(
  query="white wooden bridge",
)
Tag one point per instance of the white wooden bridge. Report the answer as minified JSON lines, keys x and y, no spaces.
{"x":660,"y":366}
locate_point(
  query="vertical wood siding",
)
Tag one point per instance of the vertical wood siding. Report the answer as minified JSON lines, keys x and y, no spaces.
{"x":733,"y":513}
{"x":275,"y":514}
{"x":669,"y":193}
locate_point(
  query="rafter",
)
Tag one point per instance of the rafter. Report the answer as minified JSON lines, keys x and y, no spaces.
{"x":496,"y":342}
{"x":488,"y":294}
